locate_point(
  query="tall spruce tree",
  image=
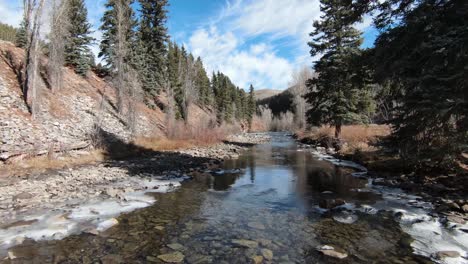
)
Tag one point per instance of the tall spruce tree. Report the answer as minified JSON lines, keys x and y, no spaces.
{"x":335,"y":95}
{"x":422,"y":55}
{"x":154,"y":37}
{"x":77,"y":48}
{"x":21,"y":40}
{"x":251,"y":108}
{"x":109,"y":31}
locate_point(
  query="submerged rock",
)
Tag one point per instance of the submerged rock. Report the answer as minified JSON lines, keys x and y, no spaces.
{"x":244,"y":243}
{"x":257,"y":259}
{"x":331,"y":203}
{"x":267,"y":254}
{"x":331,"y":252}
{"x":175,"y":246}
{"x":174,"y":257}
{"x":256,"y":225}
{"x":345,"y":218}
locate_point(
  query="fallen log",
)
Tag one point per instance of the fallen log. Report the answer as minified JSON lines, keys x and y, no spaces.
{"x":6,"y":156}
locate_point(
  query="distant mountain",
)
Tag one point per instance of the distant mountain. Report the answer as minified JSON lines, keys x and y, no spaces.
{"x":280,"y":102}
{"x":265,"y":93}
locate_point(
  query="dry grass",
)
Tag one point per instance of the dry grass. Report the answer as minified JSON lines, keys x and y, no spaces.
{"x":183,"y":136}
{"x":357,"y":137}
{"x":45,"y":162}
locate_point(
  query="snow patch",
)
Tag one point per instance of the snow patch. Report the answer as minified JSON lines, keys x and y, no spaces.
{"x":92,"y":215}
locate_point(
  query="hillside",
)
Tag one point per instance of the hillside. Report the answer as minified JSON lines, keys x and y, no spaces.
{"x":265,"y":93}
{"x":66,"y":118}
{"x":278,"y":103}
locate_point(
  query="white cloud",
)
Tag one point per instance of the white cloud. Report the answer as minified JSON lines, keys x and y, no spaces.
{"x":257,"y":64}
{"x":279,"y":18}
{"x":11,"y":12}
{"x":227,"y":46}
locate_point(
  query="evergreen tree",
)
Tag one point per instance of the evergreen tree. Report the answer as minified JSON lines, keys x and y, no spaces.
{"x":109,"y":30}
{"x":203,"y":83}
{"x":421,"y":56}
{"x":251,"y":106}
{"x":77,"y":44}
{"x":21,"y":40}
{"x":335,"y":95}
{"x":154,"y":37}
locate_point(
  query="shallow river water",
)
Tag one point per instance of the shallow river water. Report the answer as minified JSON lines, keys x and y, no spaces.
{"x":269,"y":206}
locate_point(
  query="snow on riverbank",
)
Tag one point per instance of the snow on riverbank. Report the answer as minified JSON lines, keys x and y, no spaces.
{"x":94,"y":216}
{"x":434,"y":236}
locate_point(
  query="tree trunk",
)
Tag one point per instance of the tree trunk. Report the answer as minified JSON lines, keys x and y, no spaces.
{"x":338,"y":130}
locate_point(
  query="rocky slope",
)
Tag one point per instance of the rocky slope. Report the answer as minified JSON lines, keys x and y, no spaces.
{"x":66,"y":118}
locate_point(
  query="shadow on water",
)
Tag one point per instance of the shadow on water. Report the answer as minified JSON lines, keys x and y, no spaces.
{"x":264,"y":202}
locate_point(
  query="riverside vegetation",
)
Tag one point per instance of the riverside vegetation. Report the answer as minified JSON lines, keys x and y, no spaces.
{"x":379,"y":169}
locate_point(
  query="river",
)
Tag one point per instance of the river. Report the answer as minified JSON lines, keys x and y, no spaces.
{"x":277,"y":203}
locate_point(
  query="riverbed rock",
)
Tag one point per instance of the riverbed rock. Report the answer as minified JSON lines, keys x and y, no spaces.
{"x":456,"y":219}
{"x":23,"y":196}
{"x":174,"y":257}
{"x":244,"y":243}
{"x":331,"y":203}
{"x":175,"y":246}
{"x":256,"y":225}
{"x":257,"y":259}
{"x":465,"y":208}
{"x":267,"y":254}
{"x":331,"y":252}
{"x":11,"y":255}
{"x":447,"y":254}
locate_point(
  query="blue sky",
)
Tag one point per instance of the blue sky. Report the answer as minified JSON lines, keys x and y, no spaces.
{"x":252,"y":41}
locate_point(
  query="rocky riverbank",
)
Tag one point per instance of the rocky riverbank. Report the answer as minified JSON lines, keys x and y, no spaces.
{"x":445,"y":188}
{"x":122,"y":183}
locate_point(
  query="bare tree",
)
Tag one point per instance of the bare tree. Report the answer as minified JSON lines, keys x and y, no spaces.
{"x":126,"y":79}
{"x":190,"y":89}
{"x":299,"y":89}
{"x":59,"y":32}
{"x":266,"y":116}
{"x":31,"y":84}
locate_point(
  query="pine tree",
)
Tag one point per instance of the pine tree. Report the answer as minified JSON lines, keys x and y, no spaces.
{"x":251,"y":105}
{"x":21,"y":40}
{"x":77,"y":46}
{"x":335,"y":95}
{"x":154,"y":37}
{"x":109,"y":29}
{"x":422,"y":56}
{"x":203,"y":83}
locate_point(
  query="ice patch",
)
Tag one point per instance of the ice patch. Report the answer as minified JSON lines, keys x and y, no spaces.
{"x":339,"y":162}
{"x":429,"y":234}
{"x":97,"y":214}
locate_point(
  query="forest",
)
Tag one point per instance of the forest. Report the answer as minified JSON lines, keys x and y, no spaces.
{"x":124,"y":140}
{"x":137,"y":57}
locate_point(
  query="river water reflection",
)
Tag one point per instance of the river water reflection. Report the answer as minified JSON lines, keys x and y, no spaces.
{"x":266,"y":207}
